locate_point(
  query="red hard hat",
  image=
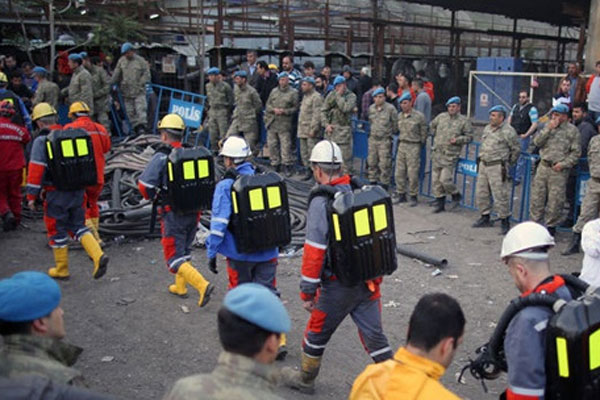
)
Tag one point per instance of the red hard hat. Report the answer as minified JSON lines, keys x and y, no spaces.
{"x":6,"y":107}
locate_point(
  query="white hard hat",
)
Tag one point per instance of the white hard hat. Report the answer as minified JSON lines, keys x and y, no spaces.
{"x":326,"y":152}
{"x":524,"y":239}
{"x":235,"y":147}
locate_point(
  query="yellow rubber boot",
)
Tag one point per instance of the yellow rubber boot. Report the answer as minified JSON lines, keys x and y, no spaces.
{"x":179,"y":289}
{"x":282,"y":351}
{"x":92,"y":248}
{"x":195,"y":278}
{"x":92,"y":225}
{"x":61,"y":261}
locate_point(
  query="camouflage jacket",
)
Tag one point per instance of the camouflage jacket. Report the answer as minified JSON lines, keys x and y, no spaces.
{"x":80,"y":87}
{"x":235,"y":377}
{"x":34,"y":355}
{"x":383,"y":121}
{"x":309,"y":120}
{"x":445,"y":127}
{"x":337,"y":109}
{"x":100,"y":82}
{"x":286,"y":99}
{"x":47,"y":92}
{"x":247,"y":105}
{"x":412,"y":127}
{"x":220,"y":97}
{"x":594,"y":156}
{"x":561,"y":145}
{"x":131,"y":75}
{"x":500,"y":144}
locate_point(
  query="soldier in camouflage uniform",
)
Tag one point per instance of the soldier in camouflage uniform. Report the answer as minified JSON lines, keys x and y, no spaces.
{"x":80,"y":87}
{"x":309,"y":121}
{"x":249,"y":323}
{"x":47,"y":91}
{"x":591,"y":200}
{"x":451,"y":131}
{"x":337,"y":111}
{"x":412,"y":136}
{"x":132,"y":73}
{"x":279,"y":112}
{"x":383,"y":120}
{"x":247,"y":106}
{"x":220,"y":103}
{"x":32,"y":326}
{"x":560,"y":149}
{"x":500,"y":149}
{"x":101,"y":88}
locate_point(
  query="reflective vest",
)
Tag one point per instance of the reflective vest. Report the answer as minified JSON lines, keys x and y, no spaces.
{"x":70,"y":155}
{"x":260,"y":217}
{"x":190,"y":179}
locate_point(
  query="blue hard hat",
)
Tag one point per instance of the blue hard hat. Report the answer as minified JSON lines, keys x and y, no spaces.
{"x":283,"y":74}
{"x":75,"y":57}
{"x":125,"y":47}
{"x":213,"y":71}
{"x":560,"y":108}
{"x":338,"y":80}
{"x":309,"y":79}
{"x":453,"y":100}
{"x":40,"y":70}
{"x":27,"y":296}
{"x":83,"y":54}
{"x":241,"y":73}
{"x":405,"y":96}
{"x":256,"y":304}
{"x":498,"y":108}
{"x":378,"y":91}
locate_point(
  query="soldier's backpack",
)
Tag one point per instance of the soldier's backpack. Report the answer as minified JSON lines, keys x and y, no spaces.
{"x":70,"y":156}
{"x":190,"y":179}
{"x":260,"y":217}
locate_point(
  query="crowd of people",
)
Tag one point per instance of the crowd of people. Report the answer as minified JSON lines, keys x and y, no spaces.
{"x":253,"y":322}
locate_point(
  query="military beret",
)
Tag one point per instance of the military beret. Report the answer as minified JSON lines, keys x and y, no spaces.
{"x":125,"y":47}
{"x":283,"y":74}
{"x":560,"y":108}
{"x":75,"y":57}
{"x":256,"y":304}
{"x":242,"y":74}
{"x":27,"y":296}
{"x":84,"y":54}
{"x":453,"y":100}
{"x":40,"y":70}
{"x":309,"y":79}
{"x":338,"y":80}
{"x":378,"y":91}
{"x":405,"y":96}
{"x":213,"y":71}
{"x":498,"y":108}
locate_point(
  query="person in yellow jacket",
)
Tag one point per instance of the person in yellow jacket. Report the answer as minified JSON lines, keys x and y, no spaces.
{"x":435,"y":330}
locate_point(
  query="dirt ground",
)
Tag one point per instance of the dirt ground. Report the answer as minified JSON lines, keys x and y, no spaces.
{"x":138,"y":340}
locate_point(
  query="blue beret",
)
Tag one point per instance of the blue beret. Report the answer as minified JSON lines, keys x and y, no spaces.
{"x":125,"y":47}
{"x":83,"y":54}
{"x":283,"y":74}
{"x":242,"y":74}
{"x":309,"y":79}
{"x":453,"y":100}
{"x":75,"y":57}
{"x":256,"y":304}
{"x":499,"y":108}
{"x":405,"y":96}
{"x":213,"y":71}
{"x":40,"y":70}
{"x":338,"y":80}
{"x":27,"y":296}
{"x":560,"y":108}
{"x":378,"y":91}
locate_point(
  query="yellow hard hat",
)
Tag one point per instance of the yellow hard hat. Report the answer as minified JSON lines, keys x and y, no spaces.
{"x":42,"y":110}
{"x":172,"y":121}
{"x":78,"y":107}
{"x":3,"y":77}
{"x":273,"y":66}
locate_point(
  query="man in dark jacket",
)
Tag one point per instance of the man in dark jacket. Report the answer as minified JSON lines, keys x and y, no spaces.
{"x":265,"y":82}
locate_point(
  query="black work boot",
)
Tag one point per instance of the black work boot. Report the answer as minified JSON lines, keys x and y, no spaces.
{"x":9,"y":222}
{"x":505,"y":225}
{"x":573,"y":247}
{"x":413,"y":201}
{"x":401,"y":198}
{"x":440,"y":205}
{"x":308,"y":174}
{"x":277,"y":168}
{"x":456,"y":197}
{"x":288,"y":170}
{"x":483,"y":222}
{"x":552,"y":230}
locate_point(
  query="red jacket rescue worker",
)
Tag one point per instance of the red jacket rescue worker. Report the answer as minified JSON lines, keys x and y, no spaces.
{"x":13,"y":138}
{"x":64,"y":215}
{"x":178,"y":229}
{"x":101,"y":140}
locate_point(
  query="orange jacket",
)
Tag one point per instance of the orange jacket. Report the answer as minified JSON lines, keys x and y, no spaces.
{"x":407,"y":376}
{"x":100,"y":141}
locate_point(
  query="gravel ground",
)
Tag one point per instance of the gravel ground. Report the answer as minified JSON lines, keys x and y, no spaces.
{"x":138,"y":339}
